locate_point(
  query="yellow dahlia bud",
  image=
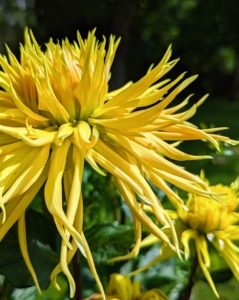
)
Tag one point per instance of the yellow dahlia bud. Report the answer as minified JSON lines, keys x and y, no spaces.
{"x":122,"y":288}
{"x":154,"y":294}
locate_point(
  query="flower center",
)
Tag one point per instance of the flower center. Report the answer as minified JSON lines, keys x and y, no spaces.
{"x":207,"y":215}
{"x":81,"y":134}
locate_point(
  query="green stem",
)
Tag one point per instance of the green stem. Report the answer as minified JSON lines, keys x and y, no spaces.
{"x":187,"y":292}
{"x":3,"y":295}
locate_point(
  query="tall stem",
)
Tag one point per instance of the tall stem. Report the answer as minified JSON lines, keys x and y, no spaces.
{"x":187,"y":292}
{"x":3,"y":294}
{"x":77,"y":276}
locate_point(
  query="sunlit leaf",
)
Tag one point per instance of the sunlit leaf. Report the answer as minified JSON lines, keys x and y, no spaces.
{"x":107,"y":240}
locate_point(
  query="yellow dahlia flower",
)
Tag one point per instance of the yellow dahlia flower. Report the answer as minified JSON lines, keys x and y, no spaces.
{"x":56,"y":112}
{"x":206,"y":221}
{"x":122,"y":288}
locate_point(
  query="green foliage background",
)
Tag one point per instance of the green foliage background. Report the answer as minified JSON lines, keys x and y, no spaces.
{"x":205,"y":34}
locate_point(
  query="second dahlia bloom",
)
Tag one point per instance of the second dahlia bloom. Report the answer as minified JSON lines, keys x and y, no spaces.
{"x":207,"y":222}
{"x":56,"y":112}
{"x":216,"y":223}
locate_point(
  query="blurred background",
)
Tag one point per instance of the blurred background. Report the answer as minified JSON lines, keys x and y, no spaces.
{"x":205,"y":35}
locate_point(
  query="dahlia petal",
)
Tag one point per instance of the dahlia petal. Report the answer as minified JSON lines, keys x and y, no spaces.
{"x":18,"y":205}
{"x":23,"y":246}
{"x":175,"y":92}
{"x":230,"y":253}
{"x":15,"y":162}
{"x":53,"y":194}
{"x":6,"y":100}
{"x":92,"y":266}
{"x":84,"y":131}
{"x":140,"y":86}
{"x":130,"y":199}
{"x":21,"y":106}
{"x":28,"y":176}
{"x":49,"y":102}
{"x":194,"y":133}
{"x":9,"y":116}
{"x":8,"y":68}
{"x":182,"y":183}
{"x":4,"y":81}
{"x":149,"y":241}
{"x":114,"y":164}
{"x":71,"y":252}
{"x":135,"y":120}
{"x":43,"y":140}
{"x":89,"y":158}
{"x":64,"y":132}
{"x":171,"y":110}
{"x":200,"y":247}
{"x":169,"y":151}
{"x":65,"y":269}
{"x":120,"y":287}
{"x":185,"y":238}
{"x":150,"y":158}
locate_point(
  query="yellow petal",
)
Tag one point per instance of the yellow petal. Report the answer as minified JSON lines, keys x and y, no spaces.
{"x":29,"y":176}
{"x":22,"y":203}
{"x":200,"y":246}
{"x":53,"y":194}
{"x":23,"y":246}
{"x":22,"y":107}
{"x":138,"y":213}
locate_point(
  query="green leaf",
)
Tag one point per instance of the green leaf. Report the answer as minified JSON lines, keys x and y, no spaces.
{"x":41,"y":228}
{"x":23,"y":294}
{"x":50,"y":294}
{"x":227,"y":291}
{"x":36,"y":204}
{"x":40,"y":234}
{"x":108,"y":240}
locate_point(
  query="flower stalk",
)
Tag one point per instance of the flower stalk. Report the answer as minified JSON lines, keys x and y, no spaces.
{"x":77,"y":276}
